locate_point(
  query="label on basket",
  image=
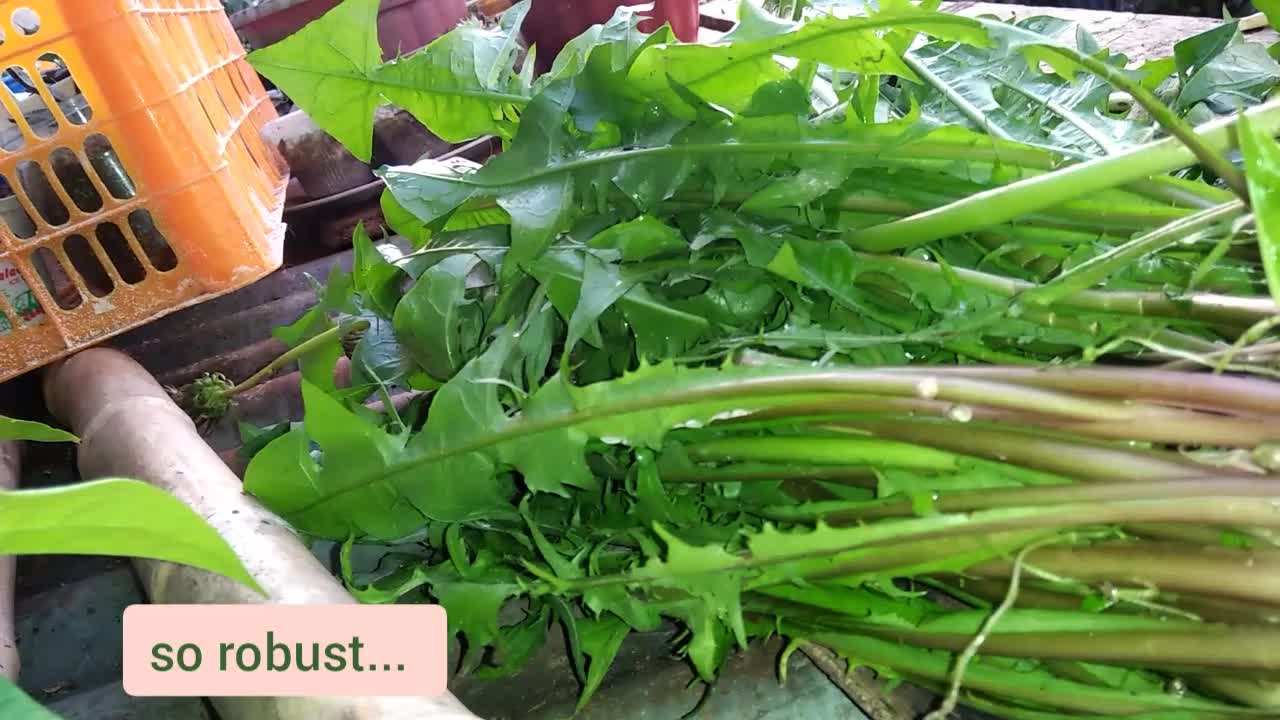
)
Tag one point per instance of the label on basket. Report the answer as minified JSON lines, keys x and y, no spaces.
{"x":285,"y":650}
{"x":19,"y":297}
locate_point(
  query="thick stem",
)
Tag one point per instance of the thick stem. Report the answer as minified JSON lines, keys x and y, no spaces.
{"x":859,"y":476}
{"x":757,"y":391}
{"x":998,"y":681}
{"x":1000,"y":205}
{"x":1222,"y":393}
{"x":1253,"y":648}
{"x":914,"y":557}
{"x":851,"y":451}
{"x":302,"y":348}
{"x":776,"y":556}
{"x":1255,"y":693}
{"x":1171,"y":427}
{"x":1045,"y":596}
{"x":956,"y":501}
{"x":1247,"y":575}
{"x":1072,"y":458}
{"x":1203,"y":307}
{"x":1093,"y":271}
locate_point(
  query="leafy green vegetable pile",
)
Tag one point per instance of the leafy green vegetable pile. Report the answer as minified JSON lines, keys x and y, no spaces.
{"x":797,"y":334}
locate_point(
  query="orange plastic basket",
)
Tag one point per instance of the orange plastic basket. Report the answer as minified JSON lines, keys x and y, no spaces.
{"x":151,"y":192}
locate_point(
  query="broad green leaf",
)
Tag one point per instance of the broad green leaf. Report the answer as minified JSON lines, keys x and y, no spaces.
{"x":378,"y":356}
{"x":1237,"y":77}
{"x":1000,"y":92}
{"x":407,"y":225}
{"x":706,"y":573}
{"x":597,"y":62}
{"x":756,"y":23}
{"x":661,"y":329}
{"x":555,"y":460}
{"x":287,"y":477}
{"x":538,"y":198}
{"x":114,"y":517}
{"x":376,"y":279}
{"x":14,"y":429}
{"x":435,"y":321}
{"x":464,"y":411}
{"x":653,"y":321}
{"x":729,"y":73}
{"x":544,"y":181}
{"x":473,"y":608}
{"x":327,"y":69}
{"x":602,"y":285}
{"x":254,"y":438}
{"x":1262,"y":164}
{"x":798,"y":190}
{"x":1191,"y":54}
{"x":366,"y":478}
{"x":462,"y":85}
{"x":640,"y":239}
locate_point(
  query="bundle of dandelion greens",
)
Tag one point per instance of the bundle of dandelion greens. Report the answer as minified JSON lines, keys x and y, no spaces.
{"x":880,"y":332}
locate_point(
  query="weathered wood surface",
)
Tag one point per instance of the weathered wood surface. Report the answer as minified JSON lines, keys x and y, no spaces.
{"x":1138,"y":36}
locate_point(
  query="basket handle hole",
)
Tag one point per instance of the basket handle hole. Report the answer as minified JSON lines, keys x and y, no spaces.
{"x":55,"y":279}
{"x":75,"y":181}
{"x":152,"y":241}
{"x":121,"y":253}
{"x":26,"y":21}
{"x":57,"y":76}
{"x":41,"y":193}
{"x":110,"y":169}
{"x":89,"y":265}
{"x":14,"y":213}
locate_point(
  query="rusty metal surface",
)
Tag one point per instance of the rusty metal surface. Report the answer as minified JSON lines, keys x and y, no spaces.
{"x":231,"y":335}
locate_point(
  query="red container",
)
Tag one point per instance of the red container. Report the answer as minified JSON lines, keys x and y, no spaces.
{"x":403,"y":25}
{"x":552,"y":23}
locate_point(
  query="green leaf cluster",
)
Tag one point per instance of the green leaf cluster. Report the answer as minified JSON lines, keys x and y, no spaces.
{"x":759,"y":336}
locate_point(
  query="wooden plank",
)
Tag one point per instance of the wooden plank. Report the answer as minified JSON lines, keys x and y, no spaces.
{"x":1138,"y":36}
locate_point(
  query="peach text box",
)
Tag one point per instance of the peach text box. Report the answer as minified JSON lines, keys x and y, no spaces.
{"x":347,"y":650}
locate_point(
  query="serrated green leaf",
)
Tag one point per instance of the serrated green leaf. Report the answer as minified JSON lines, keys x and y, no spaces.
{"x":555,"y":460}
{"x":600,"y":640}
{"x":517,"y":644}
{"x":460,"y":86}
{"x":640,"y":239}
{"x":284,"y":474}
